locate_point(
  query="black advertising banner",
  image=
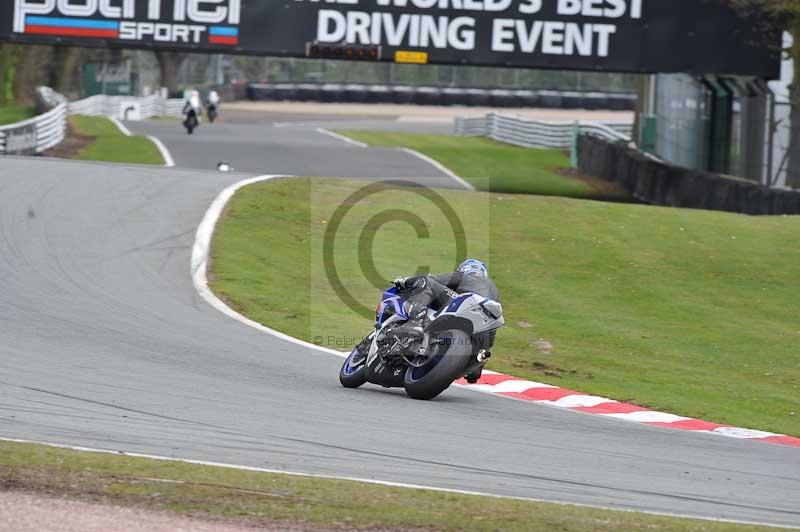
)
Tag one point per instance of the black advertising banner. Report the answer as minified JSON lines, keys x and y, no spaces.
{"x":694,"y":36}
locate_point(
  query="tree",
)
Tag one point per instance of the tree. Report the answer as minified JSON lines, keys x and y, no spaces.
{"x":169,"y":64}
{"x":782,"y":15}
{"x":9,"y":55}
{"x":65,"y":69}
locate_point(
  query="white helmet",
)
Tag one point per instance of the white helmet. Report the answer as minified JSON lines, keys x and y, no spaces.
{"x":473,"y":267}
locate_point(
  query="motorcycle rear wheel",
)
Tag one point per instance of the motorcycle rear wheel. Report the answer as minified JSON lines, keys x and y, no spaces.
{"x":446,"y":365}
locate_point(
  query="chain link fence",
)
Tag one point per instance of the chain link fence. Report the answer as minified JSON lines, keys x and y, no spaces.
{"x":682,"y":117}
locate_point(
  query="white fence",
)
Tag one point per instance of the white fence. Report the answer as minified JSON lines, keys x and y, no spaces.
{"x":36,"y":134}
{"x":537,"y":133}
{"x":126,"y":107}
{"x":45,"y":131}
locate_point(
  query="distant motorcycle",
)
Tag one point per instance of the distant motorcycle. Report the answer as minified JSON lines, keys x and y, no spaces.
{"x":424,"y":364}
{"x":192,"y":121}
{"x":212,"y":113}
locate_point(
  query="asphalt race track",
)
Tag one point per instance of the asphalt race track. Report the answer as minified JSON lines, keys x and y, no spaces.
{"x":288,"y":147}
{"x":105,"y":343}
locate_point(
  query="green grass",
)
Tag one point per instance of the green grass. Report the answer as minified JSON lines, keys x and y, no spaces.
{"x":15,"y":113}
{"x":110,"y":145}
{"x":508,"y":168}
{"x":690,"y":312}
{"x":266,"y":500}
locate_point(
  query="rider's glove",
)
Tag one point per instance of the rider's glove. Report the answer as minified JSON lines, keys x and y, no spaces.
{"x":402,"y":283}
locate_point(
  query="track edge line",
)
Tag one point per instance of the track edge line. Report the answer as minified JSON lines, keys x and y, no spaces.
{"x":378,"y":482}
{"x":199,"y":266}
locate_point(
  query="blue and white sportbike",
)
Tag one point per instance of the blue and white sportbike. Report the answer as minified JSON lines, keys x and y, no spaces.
{"x":427,"y":360}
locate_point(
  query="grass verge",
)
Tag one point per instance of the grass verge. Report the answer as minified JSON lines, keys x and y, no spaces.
{"x":509,"y":169}
{"x":689,"y":312}
{"x":15,"y":113}
{"x":110,"y":145}
{"x":264,"y":499}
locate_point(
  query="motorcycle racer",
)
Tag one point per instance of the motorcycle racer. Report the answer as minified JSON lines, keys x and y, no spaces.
{"x":437,"y":291}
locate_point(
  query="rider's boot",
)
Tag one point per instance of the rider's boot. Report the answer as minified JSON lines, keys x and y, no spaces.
{"x":417,"y":321}
{"x":363,"y":347}
{"x":474,"y":376}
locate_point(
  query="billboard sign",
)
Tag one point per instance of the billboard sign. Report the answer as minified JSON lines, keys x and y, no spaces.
{"x":695,"y":36}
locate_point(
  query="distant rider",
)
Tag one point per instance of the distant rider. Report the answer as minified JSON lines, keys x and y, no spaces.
{"x":213,"y":99}
{"x":193,"y":102}
{"x":212,"y":103}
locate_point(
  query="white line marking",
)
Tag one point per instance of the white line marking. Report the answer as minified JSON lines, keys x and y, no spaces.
{"x":374,"y":481}
{"x":436,"y":164}
{"x":337,"y":136}
{"x":646,"y":416}
{"x":201,"y":249}
{"x":199,"y":266}
{"x":509,"y":386}
{"x":168,"y":160}
{"x":575,"y":401}
{"x":125,"y":131}
{"x":165,"y":154}
{"x":439,"y":166}
{"x":290,"y":124}
{"x":425,"y":119}
{"x":738,"y":432}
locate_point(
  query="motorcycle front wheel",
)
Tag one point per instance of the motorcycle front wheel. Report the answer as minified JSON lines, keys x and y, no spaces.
{"x":354,"y":370}
{"x":437,"y":370}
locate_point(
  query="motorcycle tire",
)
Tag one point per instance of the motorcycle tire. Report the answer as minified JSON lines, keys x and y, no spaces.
{"x":353,"y":376}
{"x":430,"y":380}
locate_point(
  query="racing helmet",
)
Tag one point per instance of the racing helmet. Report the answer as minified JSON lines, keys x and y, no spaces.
{"x":473,"y":267}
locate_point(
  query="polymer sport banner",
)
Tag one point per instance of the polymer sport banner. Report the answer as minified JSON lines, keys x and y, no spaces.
{"x":694,"y":36}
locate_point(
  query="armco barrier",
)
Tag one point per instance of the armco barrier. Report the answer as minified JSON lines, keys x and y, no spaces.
{"x":356,"y":92}
{"x":47,"y":130}
{"x":660,"y":183}
{"x":537,"y":133}
{"x":126,"y":107}
{"x":36,"y":134}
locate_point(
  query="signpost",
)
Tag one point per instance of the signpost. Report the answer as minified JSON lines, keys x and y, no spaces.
{"x":694,"y":36}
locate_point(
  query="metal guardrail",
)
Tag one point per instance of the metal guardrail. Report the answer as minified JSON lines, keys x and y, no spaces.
{"x":36,"y":134}
{"x":127,"y":107}
{"x":47,"y":130}
{"x":537,"y":133}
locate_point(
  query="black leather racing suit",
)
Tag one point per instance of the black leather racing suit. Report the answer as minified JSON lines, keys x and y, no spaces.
{"x":436,"y":291}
